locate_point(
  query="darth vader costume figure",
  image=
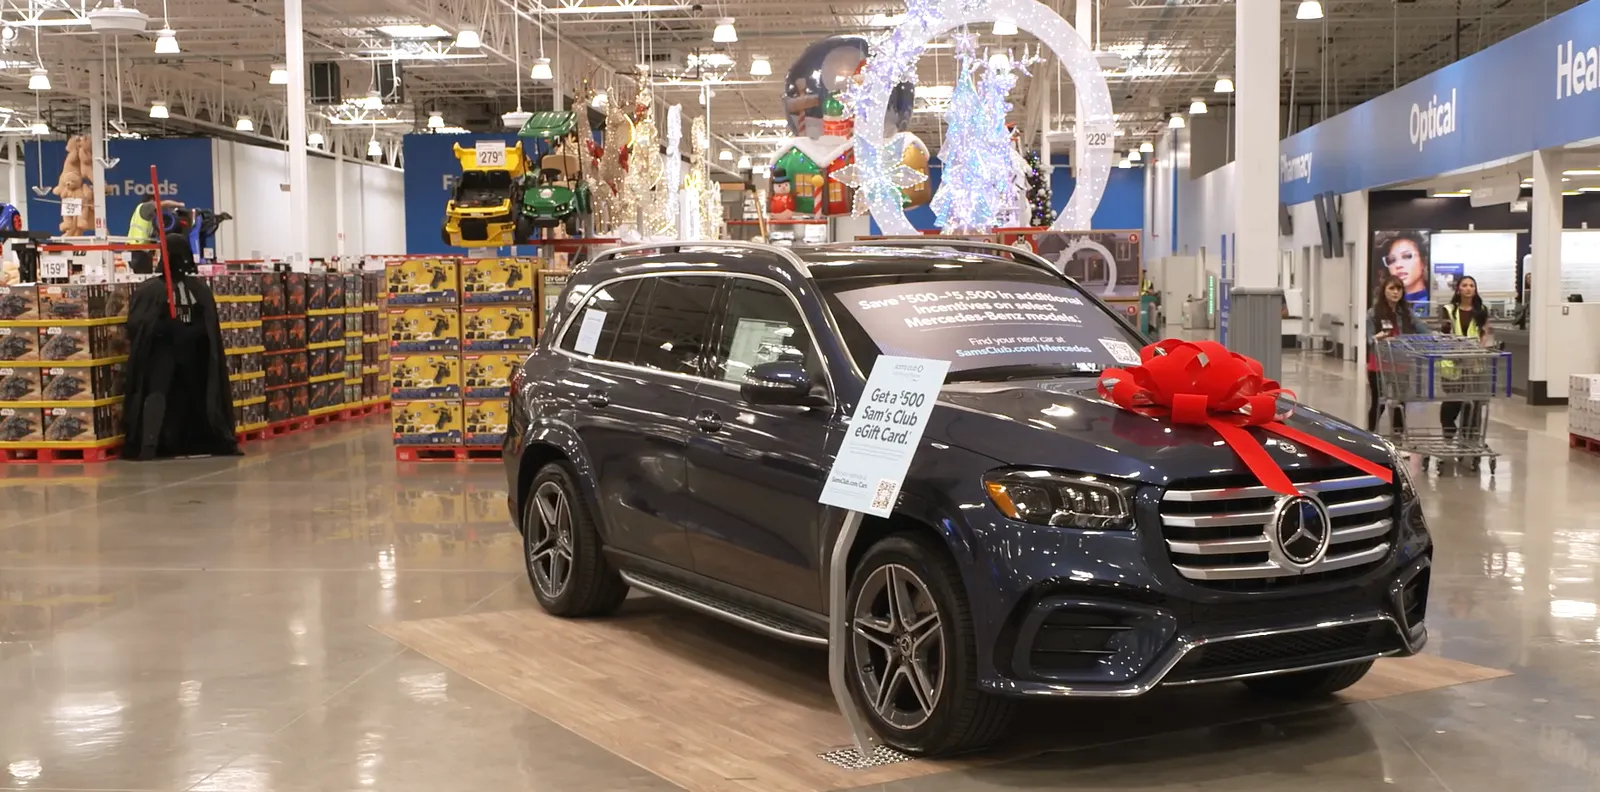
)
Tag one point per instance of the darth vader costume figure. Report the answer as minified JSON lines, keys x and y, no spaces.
{"x":178,"y":401}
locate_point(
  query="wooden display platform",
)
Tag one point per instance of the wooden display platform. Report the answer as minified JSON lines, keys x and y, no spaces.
{"x":713,"y":708}
{"x":447,"y":453}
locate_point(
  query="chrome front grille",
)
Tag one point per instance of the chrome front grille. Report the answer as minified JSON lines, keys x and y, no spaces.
{"x":1220,"y":536}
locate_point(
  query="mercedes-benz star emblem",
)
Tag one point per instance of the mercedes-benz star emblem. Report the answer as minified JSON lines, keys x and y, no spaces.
{"x":1300,"y":532}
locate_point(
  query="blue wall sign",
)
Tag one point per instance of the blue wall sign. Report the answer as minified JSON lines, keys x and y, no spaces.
{"x":431,"y":170}
{"x":1535,"y":90}
{"x":183,"y":165}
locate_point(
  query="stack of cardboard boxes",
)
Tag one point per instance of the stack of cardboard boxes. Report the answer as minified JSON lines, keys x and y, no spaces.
{"x":1583,"y":406}
{"x":63,"y":349}
{"x":458,"y":328}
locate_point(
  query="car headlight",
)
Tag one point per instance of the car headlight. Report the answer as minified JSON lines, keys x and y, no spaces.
{"x":1061,"y":500}
{"x":1402,"y":470}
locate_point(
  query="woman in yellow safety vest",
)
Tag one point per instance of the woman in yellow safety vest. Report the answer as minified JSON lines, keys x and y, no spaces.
{"x":1465,"y":315}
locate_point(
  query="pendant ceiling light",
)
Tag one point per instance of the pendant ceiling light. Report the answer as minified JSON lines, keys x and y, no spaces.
{"x":541,"y":70}
{"x":1147,"y":147}
{"x":374,"y":148}
{"x":167,"y":42}
{"x":468,"y":38}
{"x":1124,"y":164}
{"x":1176,"y":122}
{"x":315,"y":140}
{"x":725,"y":33}
{"x":599,"y":100}
{"x":39,"y":80}
{"x":760,"y":66}
{"x":726,"y":155}
{"x":1005,"y":27}
{"x":1197,"y":106}
{"x":244,"y":124}
{"x":1309,"y":9}
{"x":1134,"y":155}
{"x":39,"y":128}
{"x":436,"y":120}
{"x":744,"y":162}
{"x":279,"y":75}
{"x":159,"y":110}
{"x":1224,"y":84}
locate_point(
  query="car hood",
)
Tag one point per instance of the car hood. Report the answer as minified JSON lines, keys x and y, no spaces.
{"x":1063,"y":424}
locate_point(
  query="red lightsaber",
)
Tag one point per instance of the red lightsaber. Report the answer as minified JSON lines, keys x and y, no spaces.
{"x":161,"y":234}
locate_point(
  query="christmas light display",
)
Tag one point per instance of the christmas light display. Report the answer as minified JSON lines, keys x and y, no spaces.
{"x":980,"y":188}
{"x":1039,"y":192}
{"x":614,"y":202}
{"x":645,"y":179}
{"x":708,"y":214}
{"x":893,"y":60}
{"x":674,"y":166}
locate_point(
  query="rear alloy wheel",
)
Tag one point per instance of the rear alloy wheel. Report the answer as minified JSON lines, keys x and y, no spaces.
{"x":1318,"y":683}
{"x":566,"y":566}
{"x":912,"y":664}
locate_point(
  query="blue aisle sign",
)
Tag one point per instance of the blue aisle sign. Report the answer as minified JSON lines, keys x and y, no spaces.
{"x":183,"y":165}
{"x":430,"y":179}
{"x":1538,"y":89}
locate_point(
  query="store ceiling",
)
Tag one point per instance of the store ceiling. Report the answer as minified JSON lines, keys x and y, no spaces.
{"x":1171,"y":51}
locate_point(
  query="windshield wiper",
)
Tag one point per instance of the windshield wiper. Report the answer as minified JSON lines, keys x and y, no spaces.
{"x":1021,"y":372}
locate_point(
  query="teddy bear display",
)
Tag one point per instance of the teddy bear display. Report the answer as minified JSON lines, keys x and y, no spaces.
{"x":75,"y":183}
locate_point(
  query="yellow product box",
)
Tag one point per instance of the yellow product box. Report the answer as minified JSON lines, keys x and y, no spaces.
{"x":425,"y":376}
{"x":497,"y":280}
{"x":424,"y":281}
{"x":487,"y":421}
{"x":424,"y":329}
{"x":497,"y":328}
{"x":435,"y":422}
{"x":487,"y":375}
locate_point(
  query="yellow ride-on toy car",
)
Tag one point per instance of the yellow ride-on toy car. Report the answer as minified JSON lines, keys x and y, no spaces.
{"x":483,"y":211}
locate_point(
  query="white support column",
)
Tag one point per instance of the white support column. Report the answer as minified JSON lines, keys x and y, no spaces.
{"x":1083,"y":22}
{"x":1543,"y":332}
{"x":1256,"y":325}
{"x":338,"y":203}
{"x":97,"y":141}
{"x":18,"y":183}
{"x":299,"y":175}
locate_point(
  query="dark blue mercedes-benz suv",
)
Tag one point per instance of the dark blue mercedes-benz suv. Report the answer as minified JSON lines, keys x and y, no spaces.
{"x":675,"y":426}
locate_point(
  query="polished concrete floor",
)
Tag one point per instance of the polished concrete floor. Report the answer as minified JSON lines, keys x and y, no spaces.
{"x":204,"y":624}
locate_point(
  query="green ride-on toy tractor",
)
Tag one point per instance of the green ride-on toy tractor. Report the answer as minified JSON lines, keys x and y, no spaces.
{"x":555,"y":191}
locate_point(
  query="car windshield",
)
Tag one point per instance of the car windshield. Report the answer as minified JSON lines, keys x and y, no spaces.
{"x":993,"y":320}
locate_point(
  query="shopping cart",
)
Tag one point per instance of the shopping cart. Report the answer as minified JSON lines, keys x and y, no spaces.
{"x":1426,"y":369}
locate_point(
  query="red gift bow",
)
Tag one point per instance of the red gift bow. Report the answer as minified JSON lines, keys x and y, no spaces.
{"x":1201,"y":383}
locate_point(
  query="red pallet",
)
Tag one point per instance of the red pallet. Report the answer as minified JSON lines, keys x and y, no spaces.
{"x":60,"y":456}
{"x":1589,"y":444}
{"x":447,"y":454}
{"x":264,"y":433}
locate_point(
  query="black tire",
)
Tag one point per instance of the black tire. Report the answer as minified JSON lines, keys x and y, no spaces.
{"x":1320,"y":683}
{"x":523,"y":231}
{"x":572,"y":226}
{"x":444,"y":234}
{"x":963,"y":717}
{"x":591,"y":587}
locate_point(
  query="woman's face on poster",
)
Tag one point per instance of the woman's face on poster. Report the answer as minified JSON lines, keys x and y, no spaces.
{"x":1405,"y":262}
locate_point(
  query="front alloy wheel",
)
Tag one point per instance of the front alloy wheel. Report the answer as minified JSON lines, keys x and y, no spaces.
{"x":550,"y":540}
{"x":899,"y":646}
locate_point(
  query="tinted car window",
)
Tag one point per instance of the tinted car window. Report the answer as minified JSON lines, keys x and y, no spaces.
{"x":675,"y":329}
{"x":761,"y":325}
{"x":593,"y":331}
{"x":992,"y":320}
{"x":626,"y":349}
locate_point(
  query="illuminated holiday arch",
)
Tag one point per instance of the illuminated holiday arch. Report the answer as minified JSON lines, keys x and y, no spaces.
{"x":894,"y":59}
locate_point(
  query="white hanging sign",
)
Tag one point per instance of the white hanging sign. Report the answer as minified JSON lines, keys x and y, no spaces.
{"x":885,"y":431}
{"x":491,"y":153}
{"x":71,"y":207}
{"x":55,"y":266}
{"x":1099,"y":134}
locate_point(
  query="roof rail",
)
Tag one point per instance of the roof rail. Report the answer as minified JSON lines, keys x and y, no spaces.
{"x":678,"y":247}
{"x":1026,"y":256}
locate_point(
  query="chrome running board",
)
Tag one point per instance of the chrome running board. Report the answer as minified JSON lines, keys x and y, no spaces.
{"x":727,"y":611}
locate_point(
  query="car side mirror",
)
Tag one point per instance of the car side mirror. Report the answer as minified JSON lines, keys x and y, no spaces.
{"x":781,"y":382}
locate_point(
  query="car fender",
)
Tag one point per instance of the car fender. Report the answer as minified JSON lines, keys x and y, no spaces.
{"x":564,"y":440}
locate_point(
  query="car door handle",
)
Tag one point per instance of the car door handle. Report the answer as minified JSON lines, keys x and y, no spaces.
{"x":597,"y":399}
{"x":708,"y":422}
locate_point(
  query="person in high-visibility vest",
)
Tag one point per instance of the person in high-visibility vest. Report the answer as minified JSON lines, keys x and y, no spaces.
{"x":142,"y":231}
{"x":1465,"y":315}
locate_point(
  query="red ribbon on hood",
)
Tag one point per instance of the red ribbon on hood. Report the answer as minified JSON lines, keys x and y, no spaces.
{"x":1202,"y":383}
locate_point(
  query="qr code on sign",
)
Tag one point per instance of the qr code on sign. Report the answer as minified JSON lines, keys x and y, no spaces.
{"x":1121,"y":351}
{"x":884,"y":497}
